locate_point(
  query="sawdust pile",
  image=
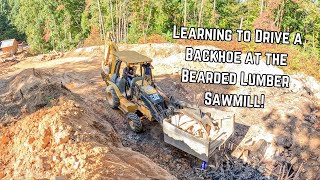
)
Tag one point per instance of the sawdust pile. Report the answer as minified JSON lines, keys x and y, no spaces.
{"x":47,"y":131}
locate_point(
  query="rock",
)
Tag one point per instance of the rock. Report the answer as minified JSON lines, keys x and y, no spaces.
{"x":76,"y":165}
{"x":305,"y":156}
{"x":47,"y":132}
{"x":64,"y":140}
{"x":280,"y":158}
{"x":31,"y":140}
{"x":59,"y":178}
{"x":286,"y":154}
{"x":61,"y":137}
{"x":178,"y":166}
{"x":24,"y":109}
{"x":294,"y":160}
{"x":258,"y":149}
{"x":167,"y":157}
{"x":63,"y":155}
{"x":82,"y":162}
{"x":56,"y":159}
{"x":284,"y":141}
{"x":2,"y":175}
{"x":45,"y":141}
{"x":5,"y":140}
{"x":280,"y":150}
{"x":46,"y":166}
{"x":172,"y":165}
{"x":316,"y":125}
{"x":237,"y":152}
{"x":17,"y":164}
{"x":245,"y":155}
{"x":40,"y":57}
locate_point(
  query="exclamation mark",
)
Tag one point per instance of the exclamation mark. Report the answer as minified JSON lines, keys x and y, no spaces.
{"x":262,"y":101}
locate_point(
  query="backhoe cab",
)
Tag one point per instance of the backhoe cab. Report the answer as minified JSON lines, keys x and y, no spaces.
{"x":136,"y":96}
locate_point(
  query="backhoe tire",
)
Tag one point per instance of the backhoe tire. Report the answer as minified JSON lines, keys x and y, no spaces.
{"x":134,"y":122}
{"x":112,"y":98}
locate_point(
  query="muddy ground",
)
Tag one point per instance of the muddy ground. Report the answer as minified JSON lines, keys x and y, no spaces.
{"x":79,"y":74}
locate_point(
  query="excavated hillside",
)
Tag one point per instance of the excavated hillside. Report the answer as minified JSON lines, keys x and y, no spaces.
{"x":54,"y":121}
{"x":49,"y":131}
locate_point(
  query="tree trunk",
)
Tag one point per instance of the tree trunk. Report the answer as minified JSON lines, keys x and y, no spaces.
{"x":117,"y":22}
{"x":313,"y":43}
{"x":101,"y":22}
{"x":240,"y":26}
{"x":100,"y":30}
{"x":185,"y":13}
{"x":120,"y":21}
{"x":112,"y":18}
{"x":281,"y":14}
{"x":125,"y":27}
{"x":143,"y":28}
{"x":148,"y":21}
{"x":214,"y":11}
{"x":261,"y":7}
{"x":200,"y":13}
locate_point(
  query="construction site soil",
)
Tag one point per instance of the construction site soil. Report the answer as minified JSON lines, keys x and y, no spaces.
{"x":55,"y":123}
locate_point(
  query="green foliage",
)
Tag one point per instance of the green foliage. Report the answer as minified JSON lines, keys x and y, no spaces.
{"x":48,"y":24}
{"x":63,"y":24}
{"x":297,"y":18}
{"x":8,"y":31}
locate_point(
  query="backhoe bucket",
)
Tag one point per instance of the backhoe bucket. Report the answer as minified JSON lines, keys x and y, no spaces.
{"x":199,"y":145}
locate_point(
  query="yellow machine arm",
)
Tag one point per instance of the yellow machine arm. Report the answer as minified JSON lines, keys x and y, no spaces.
{"x":110,"y":49}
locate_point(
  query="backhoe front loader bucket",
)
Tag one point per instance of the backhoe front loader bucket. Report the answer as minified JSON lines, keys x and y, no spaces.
{"x":196,"y":134}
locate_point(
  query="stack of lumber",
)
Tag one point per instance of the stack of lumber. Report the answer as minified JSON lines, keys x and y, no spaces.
{"x":194,"y":127}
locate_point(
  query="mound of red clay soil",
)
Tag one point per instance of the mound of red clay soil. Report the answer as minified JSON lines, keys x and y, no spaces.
{"x":49,"y":132}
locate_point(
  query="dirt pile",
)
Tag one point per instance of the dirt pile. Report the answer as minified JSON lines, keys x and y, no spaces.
{"x":54,"y":133}
{"x":27,"y":92}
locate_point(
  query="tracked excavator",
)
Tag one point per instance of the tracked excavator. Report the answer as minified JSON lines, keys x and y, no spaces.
{"x":194,"y":129}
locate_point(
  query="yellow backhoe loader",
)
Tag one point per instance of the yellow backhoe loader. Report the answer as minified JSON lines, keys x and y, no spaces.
{"x":193,"y":129}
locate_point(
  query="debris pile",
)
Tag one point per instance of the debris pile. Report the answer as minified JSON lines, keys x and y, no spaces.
{"x":50,"y":56}
{"x":232,"y":168}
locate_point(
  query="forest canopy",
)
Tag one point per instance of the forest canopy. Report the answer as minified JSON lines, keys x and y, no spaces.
{"x":64,"y":24}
